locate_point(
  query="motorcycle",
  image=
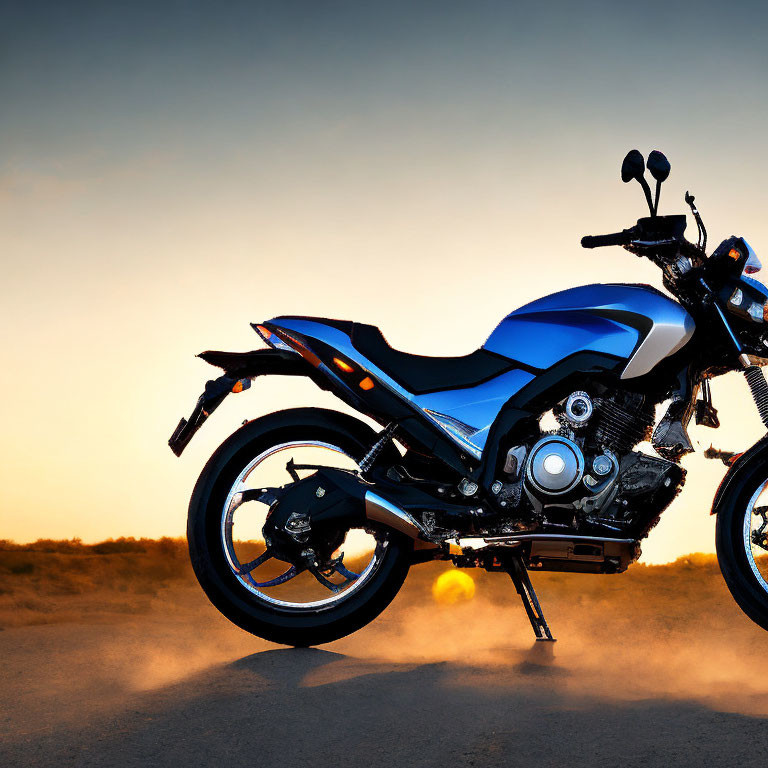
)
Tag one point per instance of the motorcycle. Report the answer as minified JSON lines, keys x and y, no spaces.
{"x":521,"y":456}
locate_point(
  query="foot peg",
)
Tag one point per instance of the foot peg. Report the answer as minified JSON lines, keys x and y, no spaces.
{"x":519,"y":575}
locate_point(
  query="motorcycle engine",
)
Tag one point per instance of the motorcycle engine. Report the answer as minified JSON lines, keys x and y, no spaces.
{"x":586,"y":471}
{"x":558,"y":473}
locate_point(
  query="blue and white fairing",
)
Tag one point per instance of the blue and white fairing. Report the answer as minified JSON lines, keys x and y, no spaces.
{"x":467,"y":415}
{"x":635,"y":323}
{"x":632,"y":323}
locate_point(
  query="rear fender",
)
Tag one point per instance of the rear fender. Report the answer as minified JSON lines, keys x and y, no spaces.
{"x":260,"y":362}
{"x":240,"y":368}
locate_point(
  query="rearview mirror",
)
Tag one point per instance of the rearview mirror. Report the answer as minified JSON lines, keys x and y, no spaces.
{"x":658,"y":166}
{"x":633,"y":166}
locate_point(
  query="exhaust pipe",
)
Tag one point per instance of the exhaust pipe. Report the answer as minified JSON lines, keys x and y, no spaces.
{"x":381,"y":510}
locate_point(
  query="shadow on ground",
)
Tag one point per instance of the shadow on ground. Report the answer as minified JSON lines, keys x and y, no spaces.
{"x":315,"y":707}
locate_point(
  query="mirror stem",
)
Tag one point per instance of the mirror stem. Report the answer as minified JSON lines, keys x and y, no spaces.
{"x":658,"y":195}
{"x":644,"y":184}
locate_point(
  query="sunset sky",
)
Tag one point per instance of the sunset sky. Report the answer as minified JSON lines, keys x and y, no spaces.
{"x":170,"y":172}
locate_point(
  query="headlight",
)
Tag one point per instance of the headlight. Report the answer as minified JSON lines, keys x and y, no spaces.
{"x":744,"y":305}
{"x":757,"y":311}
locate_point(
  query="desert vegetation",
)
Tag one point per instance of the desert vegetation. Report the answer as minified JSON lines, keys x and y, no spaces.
{"x":54,"y":581}
{"x":63,"y":581}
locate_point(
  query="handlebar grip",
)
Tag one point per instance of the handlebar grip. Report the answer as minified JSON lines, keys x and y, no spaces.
{"x":598,"y":241}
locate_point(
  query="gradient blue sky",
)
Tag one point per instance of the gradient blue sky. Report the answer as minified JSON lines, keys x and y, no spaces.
{"x":171,"y":171}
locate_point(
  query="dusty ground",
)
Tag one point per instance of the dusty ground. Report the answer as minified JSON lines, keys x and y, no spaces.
{"x":114,"y":657}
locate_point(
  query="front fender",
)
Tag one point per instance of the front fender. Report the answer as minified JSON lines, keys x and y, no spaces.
{"x":740,"y":469}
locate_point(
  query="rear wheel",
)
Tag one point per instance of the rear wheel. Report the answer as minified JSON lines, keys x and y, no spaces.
{"x":274,"y":599}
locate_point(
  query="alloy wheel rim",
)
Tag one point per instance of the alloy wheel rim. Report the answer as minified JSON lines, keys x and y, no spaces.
{"x":228,"y":542}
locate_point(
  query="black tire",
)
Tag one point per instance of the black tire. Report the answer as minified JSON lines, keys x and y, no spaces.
{"x":226,"y":592}
{"x":742,"y":583}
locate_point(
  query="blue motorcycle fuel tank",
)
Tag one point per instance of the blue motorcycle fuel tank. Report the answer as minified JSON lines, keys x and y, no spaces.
{"x":636,"y":323}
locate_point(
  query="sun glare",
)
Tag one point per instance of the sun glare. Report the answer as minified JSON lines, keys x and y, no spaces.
{"x":453,"y":587}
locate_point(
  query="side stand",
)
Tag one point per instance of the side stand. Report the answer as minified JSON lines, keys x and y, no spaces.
{"x":519,"y":575}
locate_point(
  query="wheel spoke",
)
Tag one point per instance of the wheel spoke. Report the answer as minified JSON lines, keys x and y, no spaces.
{"x":248,"y":567}
{"x":326,"y":582}
{"x":345,"y":572}
{"x":266,"y":496}
{"x":291,"y":573}
{"x":337,"y":566}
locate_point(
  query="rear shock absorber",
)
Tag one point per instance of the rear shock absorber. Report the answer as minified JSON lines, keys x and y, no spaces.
{"x":759,"y":387}
{"x":373,"y":453}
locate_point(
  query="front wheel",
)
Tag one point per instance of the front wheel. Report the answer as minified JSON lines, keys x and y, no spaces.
{"x":742,"y":540}
{"x":269,"y":598}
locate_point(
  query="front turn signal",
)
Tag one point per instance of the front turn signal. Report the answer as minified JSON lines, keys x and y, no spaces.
{"x":366,"y":383}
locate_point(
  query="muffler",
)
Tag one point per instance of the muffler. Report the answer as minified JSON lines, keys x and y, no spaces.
{"x":380,"y":510}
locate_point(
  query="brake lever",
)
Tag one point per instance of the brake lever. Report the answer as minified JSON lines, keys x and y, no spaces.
{"x":654,"y":243}
{"x":650,"y":248}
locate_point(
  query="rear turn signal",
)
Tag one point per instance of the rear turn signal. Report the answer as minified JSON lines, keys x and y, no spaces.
{"x":341,"y":365}
{"x":366,"y":383}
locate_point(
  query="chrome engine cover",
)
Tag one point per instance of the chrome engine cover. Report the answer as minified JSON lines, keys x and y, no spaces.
{"x":555,"y":465}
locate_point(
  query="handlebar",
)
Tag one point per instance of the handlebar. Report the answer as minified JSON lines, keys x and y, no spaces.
{"x":624,"y":237}
{"x":652,"y":229}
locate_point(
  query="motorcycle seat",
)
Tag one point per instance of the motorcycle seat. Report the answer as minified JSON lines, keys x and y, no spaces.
{"x":415,"y":373}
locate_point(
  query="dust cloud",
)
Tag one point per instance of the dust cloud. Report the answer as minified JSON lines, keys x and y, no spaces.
{"x":668,"y":631}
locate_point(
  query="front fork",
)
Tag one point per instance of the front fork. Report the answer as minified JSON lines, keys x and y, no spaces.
{"x":670,"y":439}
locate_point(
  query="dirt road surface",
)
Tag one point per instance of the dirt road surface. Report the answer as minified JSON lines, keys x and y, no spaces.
{"x":656,"y":667}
